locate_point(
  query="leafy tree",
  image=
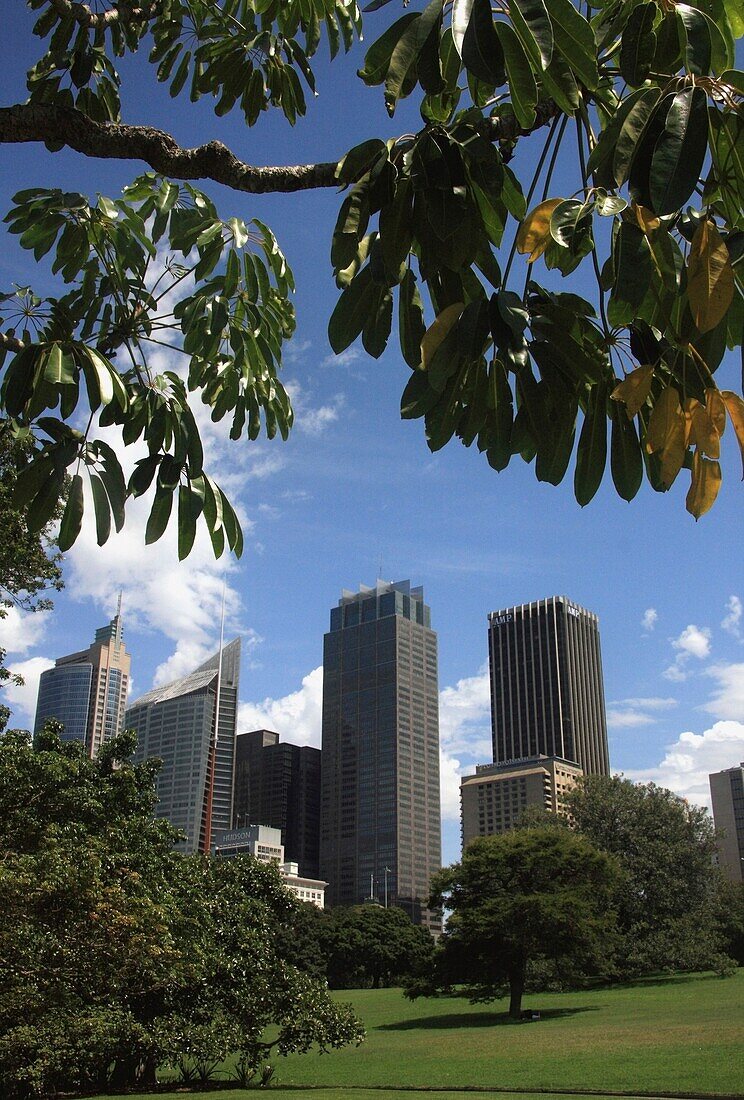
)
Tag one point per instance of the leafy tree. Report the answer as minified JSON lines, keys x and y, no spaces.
{"x":641,"y":98}
{"x":519,"y":897}
{"x":120,"y":956}
{"x":29,"y":562}
{"x":372,"y":946}
{"x":731,"y":918}
{"x":667,"y":910}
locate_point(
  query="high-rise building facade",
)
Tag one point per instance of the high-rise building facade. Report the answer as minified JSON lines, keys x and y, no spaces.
{"x":380,"y":816}
{"x":190,"y":725}
{"x":278,"y":784}
{"x":493,"y":800}
{"x":727,"y":797}
{"x":547,"y":692}
{"x":87,"y":691}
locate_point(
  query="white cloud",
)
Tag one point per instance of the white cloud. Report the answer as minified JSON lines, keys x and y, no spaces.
{"x":297,"y":716}
{"x":627,"y":713}
{"x":343,"y":359}
{"x":732,"y":621}
{"x":688,"y":762}
{"x":694,"y":641}
{"x":294,"y":350}
{"x":313,"y":420}
{"x":465,"y":735}
{"x":22,"y":698}
{"x":728,"y":700}
{"x":22,"y":630}
{"x":649,"y":620}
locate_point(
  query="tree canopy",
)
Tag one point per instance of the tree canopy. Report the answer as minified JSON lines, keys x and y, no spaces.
{"x":518,"y":898}
{"x":120,"y":956}
{"x":641,"y":97}
{"x":668,"y":909}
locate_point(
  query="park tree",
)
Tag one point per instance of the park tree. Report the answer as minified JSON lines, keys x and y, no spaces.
{"x":669,"y":908}
{"x":463,"y":231}
{"x":368,"y":945}
{"x":29,"y":560}
{"x":120,"y":956}
{"x":521,"y":897}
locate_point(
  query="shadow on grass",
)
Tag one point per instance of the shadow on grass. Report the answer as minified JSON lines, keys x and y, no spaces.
{"x":479,"y":1019}
{"x":659,"y":980}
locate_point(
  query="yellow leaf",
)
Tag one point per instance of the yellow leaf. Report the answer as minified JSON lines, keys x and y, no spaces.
{"x":665,"y":435}
{"x":647,"y":221}
{"x":534,"y":232}
{"x":701,"y":431}
{"x":634,"y":389}
{"x":710,"y":277}
{"x":735,"y":409}
{"x":716,"y":409}
{"x":706,"y":481}
{"x":436,"y":332}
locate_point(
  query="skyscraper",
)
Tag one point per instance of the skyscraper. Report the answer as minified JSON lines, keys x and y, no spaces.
{"x":547,"y":694}
{"x":278,"y":784}
{"x":727,"y":796}
{"x":380,"y":820}
{"x":190,"y":725}
{"x":87,"y":691}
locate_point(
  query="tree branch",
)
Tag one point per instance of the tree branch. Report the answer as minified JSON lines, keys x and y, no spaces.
{"x":115,"y":141}
{"x":10,"y":343}
{"x":123,"y":12}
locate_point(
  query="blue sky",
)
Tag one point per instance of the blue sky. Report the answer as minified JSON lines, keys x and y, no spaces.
{"x":356,"y":494}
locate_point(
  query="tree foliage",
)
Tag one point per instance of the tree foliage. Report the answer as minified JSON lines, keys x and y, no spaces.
{"x":668,"y":910}
{"x":642,"y":98}
{"x":120,"y":956}
{"x":517,"y":898}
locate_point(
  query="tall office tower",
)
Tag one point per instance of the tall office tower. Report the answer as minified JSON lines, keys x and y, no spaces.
{"x":190,"y":725}
{"x":727,"y":796}
{"x":87,"y":691}
{"x":547,"y":695}
{"x":492,"y":800}
{"x":278,"y":784}
{"x":380,"y":832}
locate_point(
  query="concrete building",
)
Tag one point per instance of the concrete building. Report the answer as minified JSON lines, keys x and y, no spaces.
{"x":278,"y":784}
{"x":190,"y":725}
{"x":547,"y":692}
{"x":265,"y":844}
{"x":380,"y":814}
{"x":493,"y":800}
{"x":727,"y":797}
{"x":87,"y":691}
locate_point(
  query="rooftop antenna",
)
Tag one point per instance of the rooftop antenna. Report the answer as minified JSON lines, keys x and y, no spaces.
{"x":117,"y":628}
{"x":379,"y":572}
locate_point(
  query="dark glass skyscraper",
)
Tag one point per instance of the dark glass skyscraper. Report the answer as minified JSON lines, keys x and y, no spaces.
{"x":190,"y":725}
{"x":547,"y":693}
{"x":380,"y":818}
{"x":278,"y":784}
{"x":87,"y":691}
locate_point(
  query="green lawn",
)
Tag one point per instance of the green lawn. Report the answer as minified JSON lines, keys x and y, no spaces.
{"x":675,"y":1035}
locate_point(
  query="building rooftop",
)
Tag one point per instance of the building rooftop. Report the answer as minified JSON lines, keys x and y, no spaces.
{"x":200,"y":678}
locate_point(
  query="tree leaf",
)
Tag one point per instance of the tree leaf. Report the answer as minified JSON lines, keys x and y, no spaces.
{"x":438,"y":330}
{"x":701,"y":432}
{"x":574,"y":39}
{"x":634,"y":389}
{"x":72,"y":517}
{"x":411,"y":326}
{"x":519,"y":71}
{"x":350,"y":313}
{"x":476,"y":40}
{"x":533,"y":15}
{"x":638,"y":44}
{"x":706,"y":481}
{"x":633,"y":271}
{"x":359,"y":160}
{"x":695,"y":35}
{"x":406,"y":51}
{"x":159,"y":515}
{"x":101,"y":508}
{"x":377,"y":59}
{"x":735,"y":409}
{"x":665,"y":435}
{"x":534,"y":233}
{"x":679,"y":153}
{"x":710,"y":277}
{"x":628,"y":140}
{"x":626,"y":462}
{"x":591,"y":454}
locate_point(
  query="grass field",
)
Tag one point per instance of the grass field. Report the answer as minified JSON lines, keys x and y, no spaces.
{"x":675,"y":1035}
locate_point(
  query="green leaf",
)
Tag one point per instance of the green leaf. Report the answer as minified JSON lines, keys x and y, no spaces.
{"x":406,"y":51}
{"x":574,"y":39}
{"x":696,"y":39}
{"x":350,"y":313}
{"x":603,"y":151}
{"x":411,"y":326}
{"x":376,"y":331}
{"x":644,"y":105}
{"x":477,"y":42}
{"x":377,"y":59}
{"x":633,"y":273}
{"x":638,"y":44}
{"x":190,"y":507}
{"x":102,"y":510}
{"x":678,"y":157}
{"x":72,"y":517}
{"x":521,"y":79}
{"x":359,"y":160}
{"x":626,"y":462}
{"x":159,"y":515}
{"x":500,"y":400}
{"x":591,"y":454}
{"x":532,"y":16}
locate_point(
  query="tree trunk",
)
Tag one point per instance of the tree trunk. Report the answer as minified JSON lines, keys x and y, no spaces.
{"x":516,"y":989}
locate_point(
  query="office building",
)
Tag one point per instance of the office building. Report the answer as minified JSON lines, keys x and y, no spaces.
{"x":87,"y":691}
{"x":380,"y":833}
{"x":727,"y":797}
{"x":265,"y":844}
{"x":547,"y":693}
{"x":190,"y":725}
{"x":278,"y":784}
{"x":494,"y":799}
